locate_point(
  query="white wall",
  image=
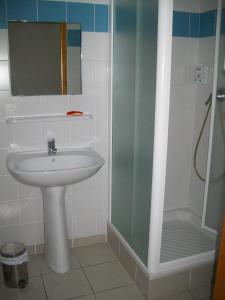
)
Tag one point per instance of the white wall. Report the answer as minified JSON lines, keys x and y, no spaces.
{"x":21,"y":216}
{"x":182,"y":108}
{"x":187,"y":111}
{"x":196,"y":186}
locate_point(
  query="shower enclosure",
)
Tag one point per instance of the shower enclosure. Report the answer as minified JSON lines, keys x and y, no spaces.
{"x":165,"y":214}
{"x":134,"y":77}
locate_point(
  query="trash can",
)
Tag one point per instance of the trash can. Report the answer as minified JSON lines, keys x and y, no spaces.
{"x":14,"y":258}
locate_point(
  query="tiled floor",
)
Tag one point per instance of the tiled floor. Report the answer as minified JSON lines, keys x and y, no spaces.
{"x":96,"y":275}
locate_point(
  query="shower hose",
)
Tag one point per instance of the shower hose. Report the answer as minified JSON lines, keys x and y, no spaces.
{"x":209,"y":103}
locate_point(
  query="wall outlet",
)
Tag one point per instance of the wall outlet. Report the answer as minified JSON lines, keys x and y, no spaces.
{"x":201,"y":74}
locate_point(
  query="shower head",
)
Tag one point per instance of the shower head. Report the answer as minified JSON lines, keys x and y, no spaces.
{"x":209,"y":100}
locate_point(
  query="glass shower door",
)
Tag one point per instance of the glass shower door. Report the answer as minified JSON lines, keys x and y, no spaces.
{"x":133,"y":110}
{"x":215,"y":204}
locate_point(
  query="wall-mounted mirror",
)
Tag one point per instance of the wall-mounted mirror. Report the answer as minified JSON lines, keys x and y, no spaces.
{"x":45,"y":58}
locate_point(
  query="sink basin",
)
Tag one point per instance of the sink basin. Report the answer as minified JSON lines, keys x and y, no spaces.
{"x":52,"y":174}
{"x":37,"y":168}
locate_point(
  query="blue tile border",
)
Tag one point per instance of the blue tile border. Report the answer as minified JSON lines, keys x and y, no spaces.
{"x":92,"y":17}
{"x":194,"y":25}
{"x":74,"y":38}
{"x":82,"y":13}
{"x":22,"y":10}
{"x":208,"y":23}
{"x":51,"y":11}
{"x":101,"y":18}
{"x":181,"y":22}
{"x":3,"y":22}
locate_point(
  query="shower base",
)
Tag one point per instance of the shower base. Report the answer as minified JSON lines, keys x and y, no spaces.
{"x":183,"y":237}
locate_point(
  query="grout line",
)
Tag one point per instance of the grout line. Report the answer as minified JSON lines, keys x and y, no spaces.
{"x":94,"y":16}
{"x":37,"y":9}
{"x":6,"y":13}
{"x":116,"y":288}
{"x":42,"y":279}
{"x":103,"y":263}
{"x":86,"y":276}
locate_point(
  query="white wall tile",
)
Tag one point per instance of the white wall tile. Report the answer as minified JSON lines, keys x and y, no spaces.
{"x":208,"y":5}
{"x":69,"y":211}
{"x":95,"y":46}
{"x":5,"y":98}
{"x":31,"y":210}
{"x":28,"y":192}
{"x":195,"y":5}
{"x":3,"y":168}
{"x":187,"y":111}
{"x":182,"y":110}
{"x":32,"y":233}
{"x":54,"y":104}
{"x":84,"y":203}
{"x":88,"y":46}
{"x":4,"y":44}
{"x":5,"y":134}
{"x":88,"y":74}
{"x":187,"y":5}
{"x":27,"y":105}
{"x":102,"y":196}
{"x":86,"y":127}
{"x":9,"y":234}
{"x":8,"y":188}
{"x":101,"y":73}
{"x":196,"y":186}
{"x":28,"y":135}
{"x":9,"y":213}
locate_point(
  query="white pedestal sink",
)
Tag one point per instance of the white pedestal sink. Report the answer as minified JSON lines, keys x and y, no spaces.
{"x":52,"y":174}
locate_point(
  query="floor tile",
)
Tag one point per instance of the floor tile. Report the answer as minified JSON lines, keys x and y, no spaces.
{"x":46,"y":270}
{"x":95,"y":254}
{"x":34,"y":290}
{"x":69,"y":285}
{"x":201,"y":293}
{"x":43,"y":266}
{"x":124,"y":293}
{"x":1,"y":275}
{"x":33,"y":266}
{"x":89,"y":297}
{"x":107,"y":276}
{"x":182,"y":296}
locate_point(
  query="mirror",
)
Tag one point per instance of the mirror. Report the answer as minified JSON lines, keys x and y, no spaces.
{"x":45,"y":58}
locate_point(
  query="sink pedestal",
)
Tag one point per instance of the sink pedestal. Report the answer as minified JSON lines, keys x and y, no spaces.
{"x":57,"y":251}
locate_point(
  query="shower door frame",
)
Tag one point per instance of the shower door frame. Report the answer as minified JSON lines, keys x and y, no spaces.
{"x":155,"y":267}
{"x":162,"y":108}
{"x":212,"y":119}
{"x":162,"y":102}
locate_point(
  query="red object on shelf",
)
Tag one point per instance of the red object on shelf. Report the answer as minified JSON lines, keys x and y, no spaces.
{"x":74,"y":113}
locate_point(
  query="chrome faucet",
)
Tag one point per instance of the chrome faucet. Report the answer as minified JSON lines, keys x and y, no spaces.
{"x":51,"y":147}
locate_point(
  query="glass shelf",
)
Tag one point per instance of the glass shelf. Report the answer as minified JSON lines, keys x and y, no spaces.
{"x":47,"y":117}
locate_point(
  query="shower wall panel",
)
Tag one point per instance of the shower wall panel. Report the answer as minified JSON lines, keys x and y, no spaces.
{"x":134,"y":73}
